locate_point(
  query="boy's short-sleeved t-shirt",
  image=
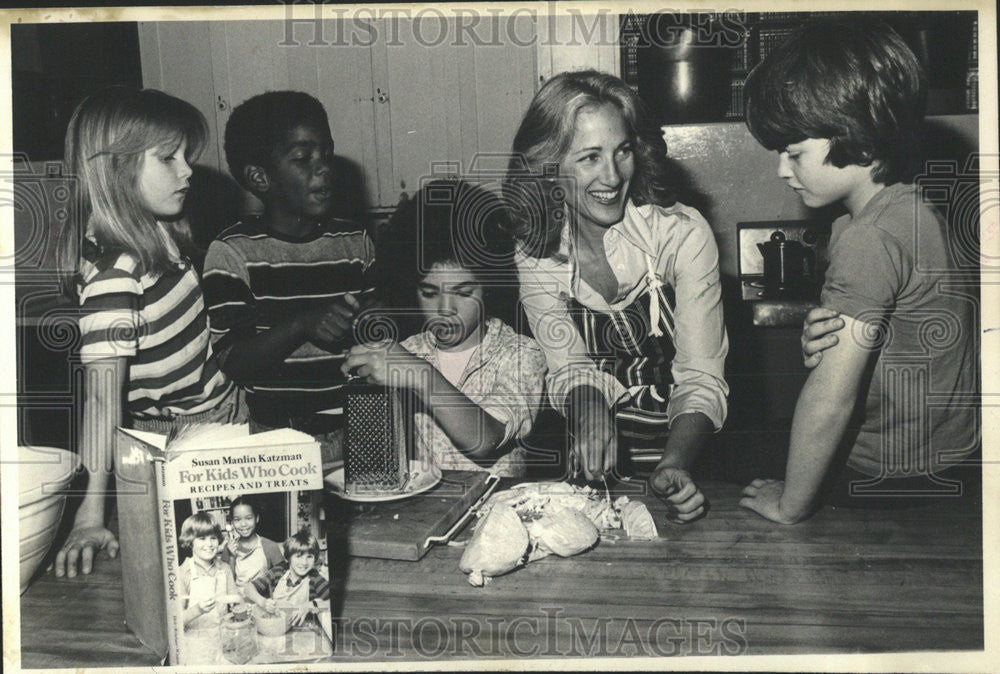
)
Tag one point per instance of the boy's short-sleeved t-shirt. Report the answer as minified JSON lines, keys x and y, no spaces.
{"x":892,"y":269}
{"x":256,"y":278}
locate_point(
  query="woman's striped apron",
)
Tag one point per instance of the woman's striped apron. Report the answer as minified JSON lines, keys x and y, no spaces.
{"x":636,"y":345}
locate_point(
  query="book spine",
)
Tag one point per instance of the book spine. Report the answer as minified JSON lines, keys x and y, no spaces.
{"x":171,"y":563}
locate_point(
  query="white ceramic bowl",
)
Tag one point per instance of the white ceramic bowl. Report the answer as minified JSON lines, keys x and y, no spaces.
{"x":43,"y":473}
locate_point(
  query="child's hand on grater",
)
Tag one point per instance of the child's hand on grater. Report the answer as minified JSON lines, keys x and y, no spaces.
{"x":387,"y":364}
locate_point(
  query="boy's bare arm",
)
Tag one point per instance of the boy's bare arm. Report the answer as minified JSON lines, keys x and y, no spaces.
{"x":259,"y":355}
{"x":821,"y":417}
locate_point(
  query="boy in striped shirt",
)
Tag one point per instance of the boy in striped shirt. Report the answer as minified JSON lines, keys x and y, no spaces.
{"x":283,"y":287}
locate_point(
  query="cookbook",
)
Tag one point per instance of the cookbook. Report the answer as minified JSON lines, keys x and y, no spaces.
{"x":224,"y":552}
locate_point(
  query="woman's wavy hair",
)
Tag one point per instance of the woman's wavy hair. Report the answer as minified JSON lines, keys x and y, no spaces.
{"x":857,"y":83}
{"x":534,"y":198}
{"x":106,"y":140}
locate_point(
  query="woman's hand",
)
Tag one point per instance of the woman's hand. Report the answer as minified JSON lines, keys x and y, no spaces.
{"x":83,"y":541}
{"x":592,"y":429}
{"x":384,"y":363}
{"x":271,"y":606}
{"x":764,"y":498}
{"x":684,"y":499}
{"x":818,"y":334}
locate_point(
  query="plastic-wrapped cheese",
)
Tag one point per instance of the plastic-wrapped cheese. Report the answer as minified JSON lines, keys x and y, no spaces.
{"x":565,"y":531}
{"x":497,"y":546}
{"x":638,"y":522}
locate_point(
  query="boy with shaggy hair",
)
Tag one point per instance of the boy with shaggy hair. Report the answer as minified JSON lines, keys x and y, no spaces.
{"x":842,"y":104}
{"x":297,"y":581}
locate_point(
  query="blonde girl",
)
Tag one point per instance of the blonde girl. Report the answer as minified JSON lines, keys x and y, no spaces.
{"x":144,"y":332}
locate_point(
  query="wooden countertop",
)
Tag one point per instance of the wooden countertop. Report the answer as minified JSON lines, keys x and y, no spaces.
{"x":845,"y":581}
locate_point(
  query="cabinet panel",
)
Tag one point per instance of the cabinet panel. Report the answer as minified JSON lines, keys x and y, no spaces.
{"x":577,"y":41}
{"x":176,"y":58}
{"x":452,"y":98}
{"x":249,"y":58}
{"x":504,"y":84}
{"x":420,"y":99}
{"x":341,"y":78}
{"x":400,"y":97}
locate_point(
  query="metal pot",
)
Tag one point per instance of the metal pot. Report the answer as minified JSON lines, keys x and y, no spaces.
{"x":786,"y":263}
{"x":683,"y":77}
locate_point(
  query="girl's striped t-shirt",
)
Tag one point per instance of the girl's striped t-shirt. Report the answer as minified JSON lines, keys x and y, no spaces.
{"x":158,"y":323}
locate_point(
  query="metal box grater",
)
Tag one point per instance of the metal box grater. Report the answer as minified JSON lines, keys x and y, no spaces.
{"x":377,"y":440}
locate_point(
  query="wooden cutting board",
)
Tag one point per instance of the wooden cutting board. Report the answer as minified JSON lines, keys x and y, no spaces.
{"x":400,"y":529}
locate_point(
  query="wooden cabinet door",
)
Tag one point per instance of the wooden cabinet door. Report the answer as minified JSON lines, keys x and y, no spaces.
{"x":451,"y":95}
{"x":250,"y":57}
{"x":337,"y":70}
{"x":216,"y":65}
{"x":578,"y":41}
{"x":176,"y":57}
{"x":403,"y":96}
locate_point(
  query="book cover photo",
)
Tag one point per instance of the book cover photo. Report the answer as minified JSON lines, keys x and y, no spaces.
{"x":242,"y":545}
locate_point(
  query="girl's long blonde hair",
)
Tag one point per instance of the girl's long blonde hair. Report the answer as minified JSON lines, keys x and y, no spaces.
{"x":107,"y":137}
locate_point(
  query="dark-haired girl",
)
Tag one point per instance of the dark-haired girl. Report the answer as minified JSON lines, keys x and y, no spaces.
{"x":249,"y":554}
{"x":478,"y":381}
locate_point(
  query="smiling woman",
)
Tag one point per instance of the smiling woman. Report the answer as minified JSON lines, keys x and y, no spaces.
{"x":620,"y":284}
{"x":599,"y":166}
